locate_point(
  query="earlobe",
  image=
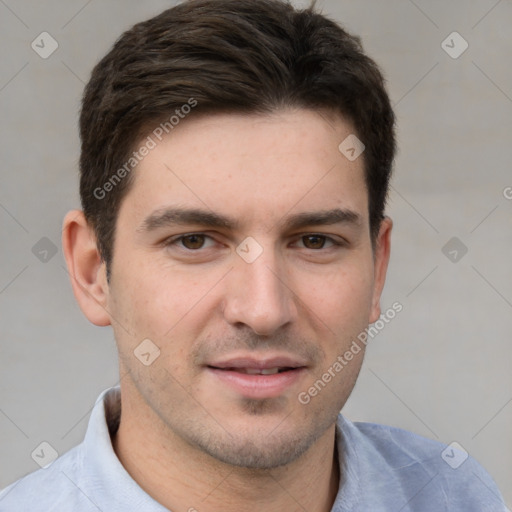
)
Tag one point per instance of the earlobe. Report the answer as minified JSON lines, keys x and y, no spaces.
{"x":86,"y":270}
{"x":381,"y":260}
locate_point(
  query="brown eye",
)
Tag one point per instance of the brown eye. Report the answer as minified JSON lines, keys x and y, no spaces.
{"x":193,"y":241}
{"x":314,"y":241}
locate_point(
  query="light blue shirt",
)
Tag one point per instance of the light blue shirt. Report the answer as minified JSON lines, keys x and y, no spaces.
{"x":382,"y":469}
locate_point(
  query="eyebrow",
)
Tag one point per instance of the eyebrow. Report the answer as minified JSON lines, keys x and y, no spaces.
{"x":185,"y":216}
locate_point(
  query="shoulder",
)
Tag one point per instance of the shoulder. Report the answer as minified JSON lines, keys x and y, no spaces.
{"x":48,"y":489}
{"x":444,"y":474}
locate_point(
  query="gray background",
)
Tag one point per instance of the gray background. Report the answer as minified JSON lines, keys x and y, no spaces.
{"x":441,"y":368}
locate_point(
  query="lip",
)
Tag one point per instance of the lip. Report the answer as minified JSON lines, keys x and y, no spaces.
{"x":258,"y":386}
{"x":259,"y":363}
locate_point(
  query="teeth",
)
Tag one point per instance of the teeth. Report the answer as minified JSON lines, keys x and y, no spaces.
{"x":256,"y":371}
{"x":251,"y":371}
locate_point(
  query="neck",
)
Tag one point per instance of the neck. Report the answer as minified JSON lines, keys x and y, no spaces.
{"x":182,"y":477}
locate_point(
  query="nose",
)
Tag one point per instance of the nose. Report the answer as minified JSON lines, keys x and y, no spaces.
{"x":258,"y":295}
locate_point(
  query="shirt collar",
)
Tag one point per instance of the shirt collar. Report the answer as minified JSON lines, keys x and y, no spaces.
{"x":109,"y":485}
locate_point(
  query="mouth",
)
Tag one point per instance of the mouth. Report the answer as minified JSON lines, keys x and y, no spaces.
{"x":258,"y":378}
{"x":255,"y":371}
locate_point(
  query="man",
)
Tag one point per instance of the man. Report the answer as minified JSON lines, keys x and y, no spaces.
{"x":235,"y":163}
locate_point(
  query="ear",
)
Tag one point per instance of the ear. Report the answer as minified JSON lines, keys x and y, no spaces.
{"x":86,"y":270}
{"x":381,"y":260}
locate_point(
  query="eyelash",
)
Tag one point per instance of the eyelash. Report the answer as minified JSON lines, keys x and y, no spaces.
{"x":175,"y":240}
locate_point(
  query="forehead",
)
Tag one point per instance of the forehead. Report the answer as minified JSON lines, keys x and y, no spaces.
{"x":251,"y":166}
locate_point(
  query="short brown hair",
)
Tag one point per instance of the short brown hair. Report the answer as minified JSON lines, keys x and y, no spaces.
{"x":229,"y":56}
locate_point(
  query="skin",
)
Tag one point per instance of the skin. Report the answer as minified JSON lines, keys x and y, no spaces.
{"x":187,"y":438}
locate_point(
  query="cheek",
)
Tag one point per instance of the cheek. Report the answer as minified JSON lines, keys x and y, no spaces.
{"x":166,"y":306}
{"x":342,"y":296}
{"x":145,"y":290}
{"x":135,"y":304}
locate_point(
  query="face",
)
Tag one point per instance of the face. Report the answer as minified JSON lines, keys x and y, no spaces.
{"x":243,"y":253}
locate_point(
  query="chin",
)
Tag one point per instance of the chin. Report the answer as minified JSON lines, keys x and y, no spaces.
{"x":259,"y":443}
